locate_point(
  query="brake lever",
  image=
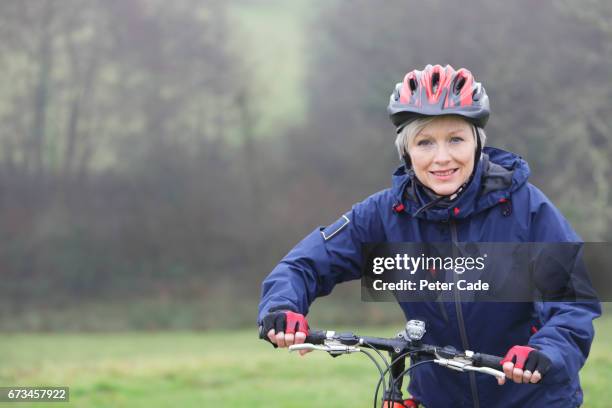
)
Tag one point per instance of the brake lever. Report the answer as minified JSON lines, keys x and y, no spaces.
{"x":486,"y":370}
{"x":336,"y":348}
{"x":452,"y":364}
{"x":467,"y":366}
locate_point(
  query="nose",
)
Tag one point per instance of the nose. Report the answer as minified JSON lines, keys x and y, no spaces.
{"x":442,"y":154}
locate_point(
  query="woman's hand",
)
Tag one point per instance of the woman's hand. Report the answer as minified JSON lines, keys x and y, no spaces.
{"x":287,"y":339}
{"x":284,"y":328}
{"x":524,"y":365}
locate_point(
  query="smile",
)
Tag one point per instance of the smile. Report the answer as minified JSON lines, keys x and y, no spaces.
{"x":444,"y":173}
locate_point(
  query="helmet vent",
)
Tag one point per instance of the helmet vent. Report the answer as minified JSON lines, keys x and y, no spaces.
{"x":435,"y":81}
{"x":476,"y":94}
{"x":459,"y":85}
{"x":413,"y":85}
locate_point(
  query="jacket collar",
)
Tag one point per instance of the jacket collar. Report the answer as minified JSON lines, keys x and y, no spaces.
{"x":498,"y":175}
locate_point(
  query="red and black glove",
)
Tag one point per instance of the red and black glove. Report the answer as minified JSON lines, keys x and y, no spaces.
{"x":528,"y":359}
{"x":282,"y":321}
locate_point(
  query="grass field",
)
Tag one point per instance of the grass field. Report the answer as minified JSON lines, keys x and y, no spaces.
{"x":182,"y":369}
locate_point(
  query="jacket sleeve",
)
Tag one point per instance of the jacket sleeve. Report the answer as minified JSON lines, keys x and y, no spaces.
{"x":327,"y":256}
{"x":567,"y":327}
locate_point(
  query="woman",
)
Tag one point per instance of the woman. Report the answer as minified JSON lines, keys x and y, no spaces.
{"x":451,"y":188}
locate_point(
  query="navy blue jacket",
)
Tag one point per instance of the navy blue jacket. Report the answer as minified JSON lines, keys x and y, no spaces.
{"x":331,"y":255}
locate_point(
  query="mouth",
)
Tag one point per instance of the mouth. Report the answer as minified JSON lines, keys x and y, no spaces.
{"x":444,"y":174}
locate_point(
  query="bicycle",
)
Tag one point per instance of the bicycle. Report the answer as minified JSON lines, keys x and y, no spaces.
{"x":407,"y":343}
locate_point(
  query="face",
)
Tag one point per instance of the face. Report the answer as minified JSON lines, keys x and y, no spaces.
{"x":442,"y":154}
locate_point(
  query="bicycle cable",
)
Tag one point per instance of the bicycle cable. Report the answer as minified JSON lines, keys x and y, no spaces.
{"x":400,"y":376}
{"x":379,"y":354}
{"x":383,"y":374}
{"x":413,"y":366}
{"x":380,"y":371}
{"x":381,"y":379}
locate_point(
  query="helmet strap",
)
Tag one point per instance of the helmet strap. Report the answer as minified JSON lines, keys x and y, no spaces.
{"x":478,"y":148}
{"x":407,"y":162}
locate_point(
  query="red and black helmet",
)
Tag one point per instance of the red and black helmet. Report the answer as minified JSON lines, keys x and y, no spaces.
{"x":438,"y":90}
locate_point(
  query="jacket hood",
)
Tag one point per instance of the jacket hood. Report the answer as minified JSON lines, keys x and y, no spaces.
{"x":498,"y":175}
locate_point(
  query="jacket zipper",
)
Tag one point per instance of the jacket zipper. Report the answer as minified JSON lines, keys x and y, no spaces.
{"x":460,"y":320}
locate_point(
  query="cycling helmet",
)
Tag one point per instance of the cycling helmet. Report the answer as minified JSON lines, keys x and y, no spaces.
{"x":438,"y":90}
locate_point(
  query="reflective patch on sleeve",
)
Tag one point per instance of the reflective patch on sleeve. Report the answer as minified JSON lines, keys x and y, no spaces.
{"x":329,"y":232}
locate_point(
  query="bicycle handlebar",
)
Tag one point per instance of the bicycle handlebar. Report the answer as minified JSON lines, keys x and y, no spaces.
{"x":487,"y":360}
{"x":406,"y":344}
{"x":387,"y":344}
{"x":343,"y":343}
{"x":316,"y":337}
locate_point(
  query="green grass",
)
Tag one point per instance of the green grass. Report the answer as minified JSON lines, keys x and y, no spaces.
{"x":186,"y":369}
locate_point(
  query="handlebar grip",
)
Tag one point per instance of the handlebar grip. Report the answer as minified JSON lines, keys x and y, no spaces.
{"x":487,"y":360}
{"x":316,"y":337}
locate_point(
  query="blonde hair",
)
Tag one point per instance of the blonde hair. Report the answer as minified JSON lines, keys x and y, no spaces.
{"x":411,"y":130}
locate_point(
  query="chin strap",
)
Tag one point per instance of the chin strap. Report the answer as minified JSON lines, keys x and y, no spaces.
{"x":440,"y":198}
{"x":429,"y":205}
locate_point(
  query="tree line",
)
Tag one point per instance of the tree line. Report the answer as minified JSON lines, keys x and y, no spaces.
{"x":129,"y":164}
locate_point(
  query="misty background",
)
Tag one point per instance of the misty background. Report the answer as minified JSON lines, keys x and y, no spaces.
{"x":157,"y":159}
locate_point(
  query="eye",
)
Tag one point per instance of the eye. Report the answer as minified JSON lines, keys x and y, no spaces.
{"x":456,"y":139}
{"x":424,"y":142}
